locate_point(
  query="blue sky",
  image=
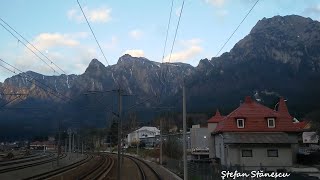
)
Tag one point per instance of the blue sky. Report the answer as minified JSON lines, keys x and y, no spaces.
{"x":137,"y":27}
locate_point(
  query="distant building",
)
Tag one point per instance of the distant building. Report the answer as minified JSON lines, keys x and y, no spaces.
{"x":48,"y":145}
{"x":254,"y":136}
{"x":145,"y":132}
{"x":308,"y":140}
{"x":199,"y":142}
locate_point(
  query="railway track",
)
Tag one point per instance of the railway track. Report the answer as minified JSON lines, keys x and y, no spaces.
{"x":92,"y":167}
{"x":19,"y":158}
{"x":9,"y":169}
{"x":61,"y":170}
{"x":100,"y":170}
{"x":145,"y":170}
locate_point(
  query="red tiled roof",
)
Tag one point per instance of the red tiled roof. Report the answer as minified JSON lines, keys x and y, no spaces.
{"x":216,"y":118}
{"x":302,"y":125}
{"x":255,"y":116}
{"x":282,"y":108}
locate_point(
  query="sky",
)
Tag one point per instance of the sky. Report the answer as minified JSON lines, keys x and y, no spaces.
{"x":58,"y":29}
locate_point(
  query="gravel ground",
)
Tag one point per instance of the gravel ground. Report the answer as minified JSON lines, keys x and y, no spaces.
{"x":112,"y":175}
{"x":163,"y":172}
{"x":31,"y":171}
{"x":129,"y":170}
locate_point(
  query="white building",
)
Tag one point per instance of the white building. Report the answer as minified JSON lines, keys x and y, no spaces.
{"x":199,"y":139}
{"x":142,"y":133}
{"x":199,"y":142}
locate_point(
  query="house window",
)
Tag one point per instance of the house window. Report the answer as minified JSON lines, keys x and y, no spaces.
{"x":272,"y":152}
{"x":271,"y":123}
{"x":246,"y":153}
{"x":240,"y":123}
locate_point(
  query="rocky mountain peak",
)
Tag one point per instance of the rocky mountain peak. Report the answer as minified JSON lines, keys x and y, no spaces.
{"x":292,"y":25}
{"x":128,"y":59}
{"x":95,"y":67}
{"x":95,"y":63}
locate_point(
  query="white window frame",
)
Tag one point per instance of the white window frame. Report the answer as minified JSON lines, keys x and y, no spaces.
{"x":274,"y":122}
{"x":240,"y":119}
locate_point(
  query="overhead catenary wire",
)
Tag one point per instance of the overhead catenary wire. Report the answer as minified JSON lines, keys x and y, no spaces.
{"x":245,"y":17}
{"x":10,"y":101}
{"x":29,"y":48}
{"x":93,"y":33}
{"x":52,"y":91}
{"x":174,"y":40}
{"x":172,"y":47}
{"x":32,"y":46}
{"x":96,"y":39}
{"x":176,"y":32}
{"x":164,"y":48}
{"x":167,"y":33}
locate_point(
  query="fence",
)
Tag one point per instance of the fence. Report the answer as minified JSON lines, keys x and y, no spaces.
{"x":197,"y":170}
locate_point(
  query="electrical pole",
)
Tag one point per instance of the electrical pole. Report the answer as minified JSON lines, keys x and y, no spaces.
{"x":138,"y":142}
{"x":119,"y":133}
{"x":69,"y":133}
{"x":161,"y":130}
{"x":59,"y":136}
{"x":65,"y":145}
{"x":160,"y":141}
{"x":120,"y":94}
{"x":82,"y":147}
{"x":78,"y":145}
{"x":185,"y":170}
{"x":73,"y":142}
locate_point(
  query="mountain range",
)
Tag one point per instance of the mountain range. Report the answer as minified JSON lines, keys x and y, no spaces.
{"x":279,"y":57}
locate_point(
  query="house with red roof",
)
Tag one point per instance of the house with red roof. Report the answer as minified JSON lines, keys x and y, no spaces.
{"x":254,"y":136}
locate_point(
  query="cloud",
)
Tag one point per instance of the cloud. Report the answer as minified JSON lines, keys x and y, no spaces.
{"x":135,"y":52}
{"x":313,"y":9}
{"x":191,"y":49}
{"x":222,"y":13}
{"x":190,"y":42}
{"x":65,"y":50}
{"x":216,"y":3}
{"x":136,"y":34}
{"x":114,"y":42}
{"x":98,"y":15}
{"x":45,"y":41}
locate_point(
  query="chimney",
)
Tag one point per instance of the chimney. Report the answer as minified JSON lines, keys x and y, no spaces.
{"x":283,"y":109}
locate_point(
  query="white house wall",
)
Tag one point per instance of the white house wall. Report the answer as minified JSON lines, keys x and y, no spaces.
{"x":199,"y":138}
{"x":219,"y":149}
{"x":259,"y":157}
{"x":211,"y":128}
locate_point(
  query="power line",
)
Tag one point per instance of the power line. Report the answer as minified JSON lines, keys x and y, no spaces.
{"x":235,"y":30}
{"x":174,"y":39}
{"x":52,"y":91}
{"x":95,"y":38}
{"x":165,"y":42}
{"x":176,"y":31}
{"x":10,"y":101}
{"x":93,"y":33}
{"x":29,"y":48}
{"x":33,"y":46}
{"x":175,"y":35}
